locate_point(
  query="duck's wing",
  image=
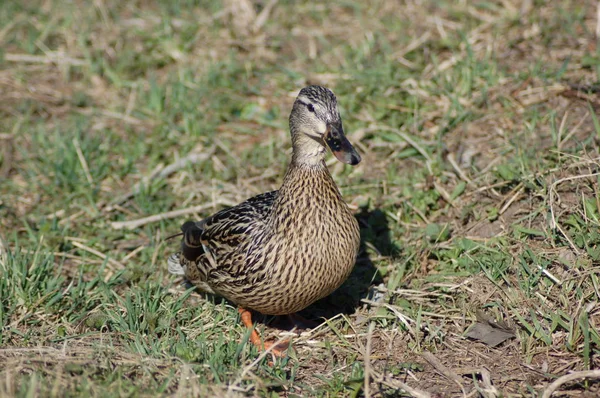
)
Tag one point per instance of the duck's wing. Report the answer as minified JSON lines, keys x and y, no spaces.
{"x":213,"y":242}
{"x":229,"y":227}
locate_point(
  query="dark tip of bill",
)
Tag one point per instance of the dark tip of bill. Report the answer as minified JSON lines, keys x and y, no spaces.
{"x":355,"y":159}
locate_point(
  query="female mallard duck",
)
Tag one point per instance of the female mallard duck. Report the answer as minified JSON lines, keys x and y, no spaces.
{"x":281,"y":251}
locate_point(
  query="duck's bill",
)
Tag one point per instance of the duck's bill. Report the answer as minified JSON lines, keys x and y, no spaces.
{"x":341,"y":148}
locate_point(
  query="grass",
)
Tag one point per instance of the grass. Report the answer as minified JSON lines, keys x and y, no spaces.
{"x":477,"y":195}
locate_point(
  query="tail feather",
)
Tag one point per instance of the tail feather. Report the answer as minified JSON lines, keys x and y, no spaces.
{"x":191,"y":247}
{"x":175,"y":266}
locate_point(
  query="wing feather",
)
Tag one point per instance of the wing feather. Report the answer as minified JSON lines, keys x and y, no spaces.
{"x":226,"y":230}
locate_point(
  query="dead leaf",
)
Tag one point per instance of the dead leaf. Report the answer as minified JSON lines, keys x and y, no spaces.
{"x":488,"y":333}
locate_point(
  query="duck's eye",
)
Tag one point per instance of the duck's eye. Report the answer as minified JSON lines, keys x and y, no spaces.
{"x":310,"y":108}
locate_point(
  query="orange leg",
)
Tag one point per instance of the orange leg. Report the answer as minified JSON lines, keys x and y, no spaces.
{"x":278,"y":350}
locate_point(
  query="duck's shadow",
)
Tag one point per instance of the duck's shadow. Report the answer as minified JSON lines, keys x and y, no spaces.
{"x":375,"y":234}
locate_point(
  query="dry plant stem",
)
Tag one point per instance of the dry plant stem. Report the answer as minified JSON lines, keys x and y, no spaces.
{"x":586,"y":374}
{"x":549,"y":275}
{"x":551,"y":194}
{"x":458,"y":170}
{"x":133,"y":253}
{"x":133,"y":224}
{"x":401,"y":317}
{"x":192,"y":158}
{"x":486,"y":379}
{"x":573,"y":131}
{"x":518,"y":190}
{"x":263,"y":17}
{"x":78,"y":259}
{"x":413,"y":45}
{"x":397,"y":384}
{"x":114,"y":115}
{"x":368,"y":360}
{"x":448,"y":373}
{"x":438,"y":187}
{"x":529,"y":176}
{"x":50,"y":58}
{"x":97,"y":253}
{"x":598,"y":21}
{"x":408,"y":139}
{"x":83,"y":161}
{"x":8,"y":153}
{"x":2,"y":251}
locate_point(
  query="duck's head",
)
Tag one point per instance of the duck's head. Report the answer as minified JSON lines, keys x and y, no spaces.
{"x":315,"y":124}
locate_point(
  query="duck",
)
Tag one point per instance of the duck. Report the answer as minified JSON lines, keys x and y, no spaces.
{"x":278,"y":252}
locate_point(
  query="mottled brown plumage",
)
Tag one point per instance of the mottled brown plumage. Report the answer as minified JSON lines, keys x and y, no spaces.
{"x":279,"y":252}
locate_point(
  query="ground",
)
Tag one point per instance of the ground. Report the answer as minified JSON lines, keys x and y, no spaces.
{"x":477,"y":195}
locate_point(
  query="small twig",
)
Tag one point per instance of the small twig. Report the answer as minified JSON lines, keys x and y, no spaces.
{"x":551,"y":192}
{"x":367,"y":372}
{"x":163,"y":172}
{"x":77,"y":258}
{"x":549,"y":275}
{"x":487,"y":188}
{"x":589,"y":88}
{"x":414,"y":144}
{"x":398,"y":385}
{"x":406,"y":138}
{"x":3,"y":252}
{"x":572,"y":132}
{"x":458,"y":170}
{"x":124,"y":117}
{"x":561,"y":128}
{"x":133,"y":253}
{"x":585,"y":374}
{"x":406,"y":321}
{"x":519,"y":189}
{"x":8,"y":150}
{"x":419,"y":212}
{"x":262,"y":18}
{"x":192,"y":158}
{"x":486,"y":378}
{"x":84,"y":164}
{"x":49,"y":58}
{"x":413,"y":45}
{"x":185,"y":376}
{"x":598,"y":20}
{"x":133,"y":224}
{"x":72,"y":217}
{"x":97,"y":253}
{"x":322,"y":328}
{"x":443,"y":193}
{"x":157,"y":245}
{"x":121,"y":116}
{"x":413,"y":294}
{"x":440,"y":367}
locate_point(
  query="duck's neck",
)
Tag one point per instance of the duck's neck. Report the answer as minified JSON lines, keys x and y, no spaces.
{"x":307,"y":151}
{"x":308,"y":180}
